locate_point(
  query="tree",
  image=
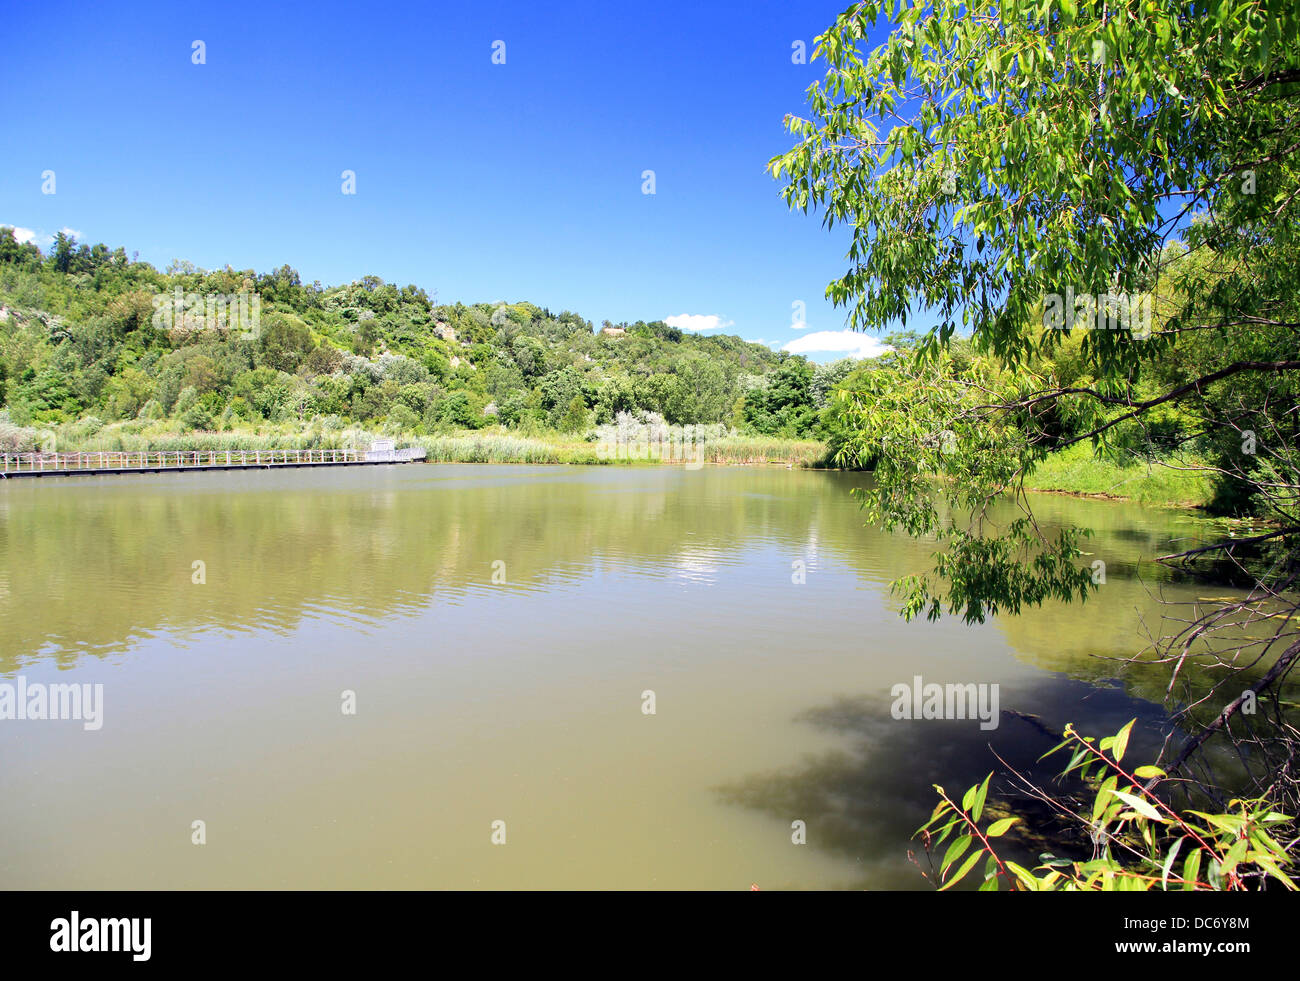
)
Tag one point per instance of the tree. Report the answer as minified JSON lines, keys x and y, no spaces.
{"x":365,"y":339}
{"x":285,"y":341}
{"x":575,"y":416}
{"x":706,"y":388}
{"x":284,"y":285}
{"x":559,"y":389}
{"x":996,"y":164}
{"x":402,"y":418}
{"x":667,"y":395}
{"x":11,"y":251}
{"x":63,"y":253}
{"x":827,"y":376}
{"x":456,"y":411}
{"x":530,"y":355}
{"x":784,"y":407}
{"x":127,"y":392}
{"x":323,"y":359}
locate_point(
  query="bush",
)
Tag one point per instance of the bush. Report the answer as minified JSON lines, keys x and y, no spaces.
{"x":575,"y":416}
{"x":196,"y":417}
{"x":18,"y":439}
{"x":185,"y":401}
{"x":1138,"y":838}
{"x":402,"y":419}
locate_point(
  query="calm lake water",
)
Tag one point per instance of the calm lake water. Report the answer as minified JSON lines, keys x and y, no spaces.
{"x":518,"y":701}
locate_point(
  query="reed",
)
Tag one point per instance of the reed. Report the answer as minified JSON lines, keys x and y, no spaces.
{"x":481,"y":446}
{"x":494,"y":448}
{"x":738,"y":450}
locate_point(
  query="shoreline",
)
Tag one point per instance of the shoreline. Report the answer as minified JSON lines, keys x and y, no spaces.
{"x":1075,"y":476}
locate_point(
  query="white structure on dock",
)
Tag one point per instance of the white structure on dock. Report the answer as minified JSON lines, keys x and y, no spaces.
{"x":381,"y":451}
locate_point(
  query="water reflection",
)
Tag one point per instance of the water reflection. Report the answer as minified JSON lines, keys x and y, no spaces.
{"x":500,"y":625}
{"x":866,"y":798}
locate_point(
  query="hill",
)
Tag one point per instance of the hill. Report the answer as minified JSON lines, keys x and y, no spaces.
{"x":90,"y":336}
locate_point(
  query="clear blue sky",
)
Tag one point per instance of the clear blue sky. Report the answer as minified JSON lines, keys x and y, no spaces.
{"x":481,"y":181}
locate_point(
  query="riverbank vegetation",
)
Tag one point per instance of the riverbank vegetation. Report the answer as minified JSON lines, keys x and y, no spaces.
{"x":87,"y":334}
{"x":1104,"y":199}
{"x":102,"y":352}
{"x":491,"y":444}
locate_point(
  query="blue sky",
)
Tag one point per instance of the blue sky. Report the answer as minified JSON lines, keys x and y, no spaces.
{"x":480,"y":181}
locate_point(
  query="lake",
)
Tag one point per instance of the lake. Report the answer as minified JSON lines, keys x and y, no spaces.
{"x":502,"y":633}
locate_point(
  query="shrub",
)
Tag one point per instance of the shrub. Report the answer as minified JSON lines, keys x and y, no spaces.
{"x":1139,"y":838}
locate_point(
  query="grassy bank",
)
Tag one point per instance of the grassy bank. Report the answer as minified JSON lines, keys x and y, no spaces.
{"x":494,"y":445}
{"x":1076,"y":471}
{"x":505,"y":447}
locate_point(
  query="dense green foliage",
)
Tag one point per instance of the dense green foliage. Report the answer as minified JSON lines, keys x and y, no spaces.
{"x":1035,"y":151}
{"x":996,"y":163}
{"x":80,"y":337}
{"x":1140,"y":843}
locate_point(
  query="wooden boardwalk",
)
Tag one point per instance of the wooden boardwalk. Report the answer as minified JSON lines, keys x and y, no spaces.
{"x":160,"y":461}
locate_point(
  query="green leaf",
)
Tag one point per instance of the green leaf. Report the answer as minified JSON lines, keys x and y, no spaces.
{"x":1026,"y":877}
{"x":1224,"y":822}
{"x":961,"y":873}
{"x":1169,"y":862}
{"x":954,"y":852}
{"x":1103,"y":794}
{"x":1139,"y":805}
{"x":998,"y":828}
{"x":1121,"y":741}
{"x":1268,"y":865}
{"x":979,"y":798}
{"x":1214,"y":873}
{"x":1235,"y":854}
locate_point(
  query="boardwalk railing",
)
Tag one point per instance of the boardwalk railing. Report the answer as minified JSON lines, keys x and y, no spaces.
{"x":123,"y":460}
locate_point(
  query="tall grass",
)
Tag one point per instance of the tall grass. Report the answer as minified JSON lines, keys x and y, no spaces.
{"x":135,"y":436}
{"x":498,"y":447}
{"x":765,"y":449}
{"x":482,"y":446}
{"x":495,"y":448}
{"x":1076,"y":471}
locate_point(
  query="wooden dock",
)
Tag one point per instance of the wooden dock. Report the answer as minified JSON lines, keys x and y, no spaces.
{"x":168,"y":461}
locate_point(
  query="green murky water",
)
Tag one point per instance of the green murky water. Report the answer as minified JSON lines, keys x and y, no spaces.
{"x":519,"y":700}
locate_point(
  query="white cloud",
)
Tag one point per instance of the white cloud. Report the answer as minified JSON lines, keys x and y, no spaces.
{"x":41,"y":239}
{"x":852,"y":343}
{"x":25,"y":235}
{"x":697,"y":321}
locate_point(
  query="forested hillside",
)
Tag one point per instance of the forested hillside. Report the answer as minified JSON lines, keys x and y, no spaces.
{"x":81,"y":338}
